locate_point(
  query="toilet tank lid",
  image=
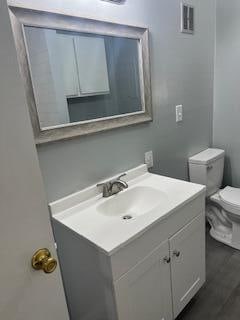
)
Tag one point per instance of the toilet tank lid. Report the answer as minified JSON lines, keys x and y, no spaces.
{"x":207,"y":156}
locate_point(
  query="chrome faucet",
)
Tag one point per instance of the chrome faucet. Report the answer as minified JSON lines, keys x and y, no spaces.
{"x":112,"y":187}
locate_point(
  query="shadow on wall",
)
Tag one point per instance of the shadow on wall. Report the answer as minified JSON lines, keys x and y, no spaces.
{"x":227,"y":178}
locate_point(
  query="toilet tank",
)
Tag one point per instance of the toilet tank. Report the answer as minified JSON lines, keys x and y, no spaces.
{"x":207,"y":168}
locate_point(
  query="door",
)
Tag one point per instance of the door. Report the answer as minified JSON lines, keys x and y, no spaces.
{"x":187,"y":249}
{"x":25,"y":294}
{"x":145,"y":291}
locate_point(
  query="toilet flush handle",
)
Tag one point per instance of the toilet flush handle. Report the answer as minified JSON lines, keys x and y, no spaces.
{"x":209,"y":167}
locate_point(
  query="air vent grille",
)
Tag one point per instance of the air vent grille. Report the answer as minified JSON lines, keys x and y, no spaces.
{"x":191,"y":19}
{"x":187,"y":21}
{"x":115,"y":1}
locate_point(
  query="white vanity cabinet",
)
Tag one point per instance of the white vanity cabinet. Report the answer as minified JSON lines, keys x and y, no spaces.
{"x":161,"y":285}
{"x":151,"y":277}
{"x":147,"y":267}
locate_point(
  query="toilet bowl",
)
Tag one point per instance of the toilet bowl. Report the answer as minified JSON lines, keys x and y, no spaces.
{"x":226,"y":206}
{"x":222,"y":205}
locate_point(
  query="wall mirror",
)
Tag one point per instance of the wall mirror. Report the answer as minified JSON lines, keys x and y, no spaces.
{"x":81,"y":76}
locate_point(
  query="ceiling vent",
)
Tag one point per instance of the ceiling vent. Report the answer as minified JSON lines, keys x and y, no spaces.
{"x":187,"y":20}
{"x":115,"y":1}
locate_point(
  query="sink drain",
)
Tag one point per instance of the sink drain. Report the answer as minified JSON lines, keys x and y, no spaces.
{"x":127,"y":217}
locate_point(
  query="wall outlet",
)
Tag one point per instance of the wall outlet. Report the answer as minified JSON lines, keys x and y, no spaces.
{"x":179,"y":113}
{"x":149,"y":159}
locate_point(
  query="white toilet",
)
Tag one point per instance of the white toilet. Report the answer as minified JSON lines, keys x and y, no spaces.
{"x":222,"y":205}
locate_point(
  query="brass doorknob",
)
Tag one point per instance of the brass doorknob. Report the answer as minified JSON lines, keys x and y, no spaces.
{"x":42,"y":260}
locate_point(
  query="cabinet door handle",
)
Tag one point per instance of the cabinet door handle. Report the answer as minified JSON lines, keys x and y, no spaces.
{"x":167,"y":259}
{"x":176,"y":253}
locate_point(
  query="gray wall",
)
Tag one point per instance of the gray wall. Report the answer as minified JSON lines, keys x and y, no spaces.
{"x":182,"y":73}
{"x":226,"y":128}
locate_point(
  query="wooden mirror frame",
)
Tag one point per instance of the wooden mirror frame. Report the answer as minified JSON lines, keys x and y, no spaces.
{"x":21,"y":17}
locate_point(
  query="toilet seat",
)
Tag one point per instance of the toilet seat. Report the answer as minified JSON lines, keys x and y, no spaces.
{"x":230,"y":199}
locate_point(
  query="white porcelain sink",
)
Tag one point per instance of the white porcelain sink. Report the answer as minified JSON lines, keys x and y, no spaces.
{"x":133,"y":202}
{"x":148,"y":199}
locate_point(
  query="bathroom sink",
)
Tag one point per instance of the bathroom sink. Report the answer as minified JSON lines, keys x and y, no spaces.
{"x":110,"y":223}
{"x":133,"y":202}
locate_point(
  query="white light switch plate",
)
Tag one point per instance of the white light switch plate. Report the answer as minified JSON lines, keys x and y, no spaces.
{"x":149,"y":159}
{"x":179,"y":113}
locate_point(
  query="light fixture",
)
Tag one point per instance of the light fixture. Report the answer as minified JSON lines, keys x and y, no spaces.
{"x":115,"y":1}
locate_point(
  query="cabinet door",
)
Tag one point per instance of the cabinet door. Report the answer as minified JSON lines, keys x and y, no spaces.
{"x":92,"y":65}
{"x":144,"y":293}
{"x":187,"y":249}
{"x":68,"y":64}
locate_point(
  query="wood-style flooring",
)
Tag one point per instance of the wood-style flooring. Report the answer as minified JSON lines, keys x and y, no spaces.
{"x":219,"y":298}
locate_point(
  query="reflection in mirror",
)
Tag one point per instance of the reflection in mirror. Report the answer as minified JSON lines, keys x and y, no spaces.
{"x":79,"y":77}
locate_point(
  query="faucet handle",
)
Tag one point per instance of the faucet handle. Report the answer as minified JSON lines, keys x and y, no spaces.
{"x":122,"y":175}
{"x":106,"y":188}
{"x":100,"y":184}
{"x":104,"y":184}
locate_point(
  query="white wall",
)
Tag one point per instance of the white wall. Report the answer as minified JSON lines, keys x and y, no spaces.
{"x":182,"y":73}
{"x":226,"y":129}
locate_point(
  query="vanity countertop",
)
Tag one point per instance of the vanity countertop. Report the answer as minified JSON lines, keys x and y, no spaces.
{"x":148,"y":199}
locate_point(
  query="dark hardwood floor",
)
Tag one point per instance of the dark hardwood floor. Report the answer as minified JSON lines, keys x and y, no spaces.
{"x":219,"y":298}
